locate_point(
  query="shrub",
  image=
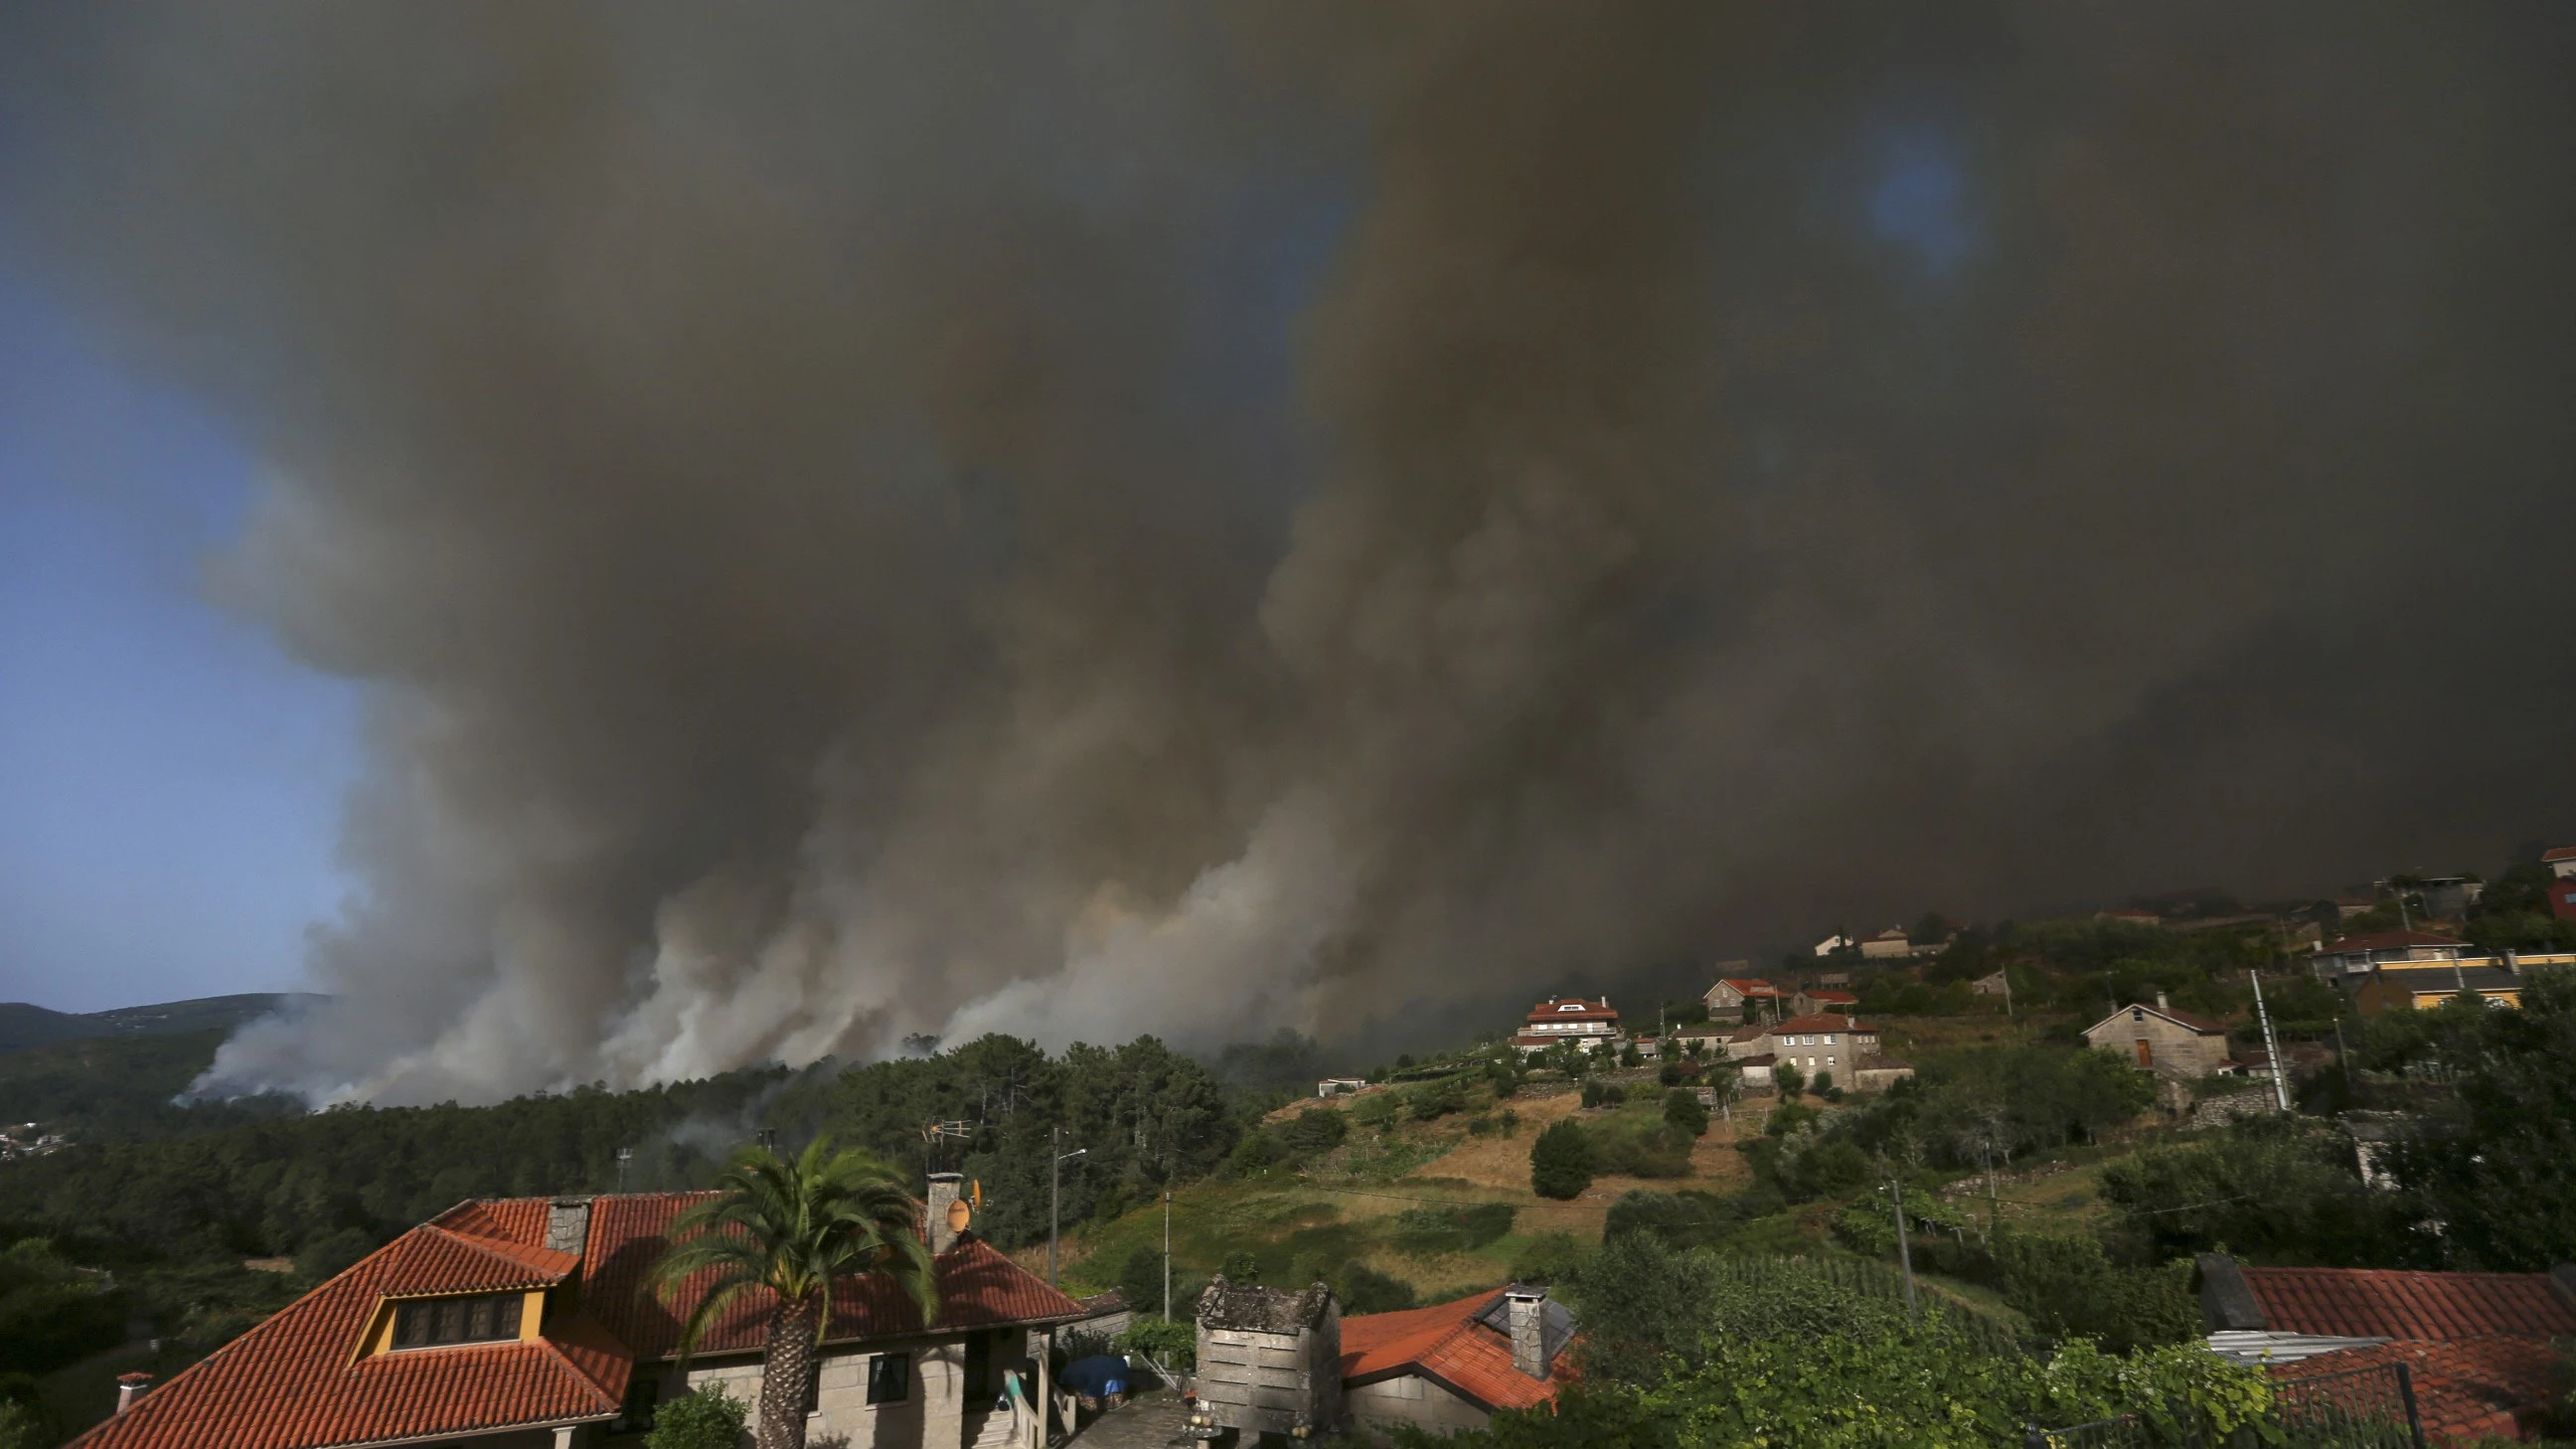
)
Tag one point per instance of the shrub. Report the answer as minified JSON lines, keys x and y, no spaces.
{"x":1313,"y":1132}
{"x":22,"y":1426}
{"x":1141,"y":1282}
{"x":1364,"y":1289}
{"x":1639,"y":1145}
{"x":1254,"y":1154}
{"x":708,"y":1418}
{"x":1494,"y":1124}
{"x":1789,"y":1079}
{"x":1823,"y":1083}
{"x":1377,"y":1113}
{"x":1436,"y":1099}
{"x":1562,"y":1162}
{"x":1174,"y":1345}
{"x":2070,"y":1289}
{"x":1688,"y":1218}
{"x":1683,"y":1112}
{"x":1429,"y":1230}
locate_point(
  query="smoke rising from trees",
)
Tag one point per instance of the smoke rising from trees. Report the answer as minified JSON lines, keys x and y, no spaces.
{"x":859,"y":521}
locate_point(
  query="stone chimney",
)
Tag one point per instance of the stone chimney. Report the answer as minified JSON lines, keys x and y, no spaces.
{"x":2161,"y":1003}
{"x":130,"y":1387}
{"x":568,"y":1224}
{"x":1528,"y":1309}
{"x":942,"y":1210}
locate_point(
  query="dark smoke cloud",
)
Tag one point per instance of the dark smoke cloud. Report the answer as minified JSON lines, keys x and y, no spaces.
{"x":871,"y":520}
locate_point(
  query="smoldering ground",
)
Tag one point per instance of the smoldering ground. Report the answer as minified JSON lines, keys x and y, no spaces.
{"x":868,"y":520}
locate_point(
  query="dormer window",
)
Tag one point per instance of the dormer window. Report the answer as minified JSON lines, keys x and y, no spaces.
{"x":435,"y":1322}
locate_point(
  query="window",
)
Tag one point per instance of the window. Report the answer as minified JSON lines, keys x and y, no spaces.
{"x":431,"y":1322}
{"x":643,"y":1395}
{"x":889,"y":1378}
{"x":1829,"y":1038}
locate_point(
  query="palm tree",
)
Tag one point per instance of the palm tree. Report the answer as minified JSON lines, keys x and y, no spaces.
{"x":791,"y":1225}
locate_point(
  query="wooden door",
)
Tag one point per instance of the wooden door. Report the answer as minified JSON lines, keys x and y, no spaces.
{"x":2146,"y":1052}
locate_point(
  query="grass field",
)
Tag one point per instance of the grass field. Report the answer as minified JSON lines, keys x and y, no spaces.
{"x":1345,"y":1205}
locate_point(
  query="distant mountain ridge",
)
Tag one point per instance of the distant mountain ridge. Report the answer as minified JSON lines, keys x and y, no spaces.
{"x":23,"y":1024}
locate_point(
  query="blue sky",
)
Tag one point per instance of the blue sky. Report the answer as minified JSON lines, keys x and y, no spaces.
{"x":169,"y":781}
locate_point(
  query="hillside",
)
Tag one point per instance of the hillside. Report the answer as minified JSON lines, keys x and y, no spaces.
{"x":99,"y":1088}
{"x":1398,"y":1199}
{"x":24,"y":1025}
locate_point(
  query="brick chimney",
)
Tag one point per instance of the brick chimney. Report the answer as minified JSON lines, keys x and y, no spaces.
{"x":1528,"y":1309}
{"x":941,"y":1209}
{"x":130,"y":1387}
{"x":568,"y":1224}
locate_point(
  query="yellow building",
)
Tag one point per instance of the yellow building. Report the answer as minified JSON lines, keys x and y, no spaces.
{"x":2422,"y":985}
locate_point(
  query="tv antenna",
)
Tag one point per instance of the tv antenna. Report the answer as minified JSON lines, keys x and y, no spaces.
{"x":933,"y":1133}
{"x":625,"y":1155}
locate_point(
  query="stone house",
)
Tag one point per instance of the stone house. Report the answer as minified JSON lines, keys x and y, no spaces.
{"x":2175,"y":1045}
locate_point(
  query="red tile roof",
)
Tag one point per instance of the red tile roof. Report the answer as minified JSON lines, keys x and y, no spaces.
{"x":1445,"y":1342}
{"x":434,"y":1260}
{"x":2385,"y":941}
{"x":1822,"y":1021}
{"x":2559,"y":853}
{"x":2382,"y":1303}
{"x":1838,"y":997}
{"x":2465,"y":1389}
{"x":1752,"y":986}
{"x":296,"y":1381}
{"x":1573,"y":1008}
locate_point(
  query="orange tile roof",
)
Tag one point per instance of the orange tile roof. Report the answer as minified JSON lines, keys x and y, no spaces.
{"x":2465,"y":1389}
{"x":290,"y":1383}
{"x":1445,"y":1342}
{"x":2384,"y":1303}
{"x":1752,"y":986}
{"x":432,"y":1259}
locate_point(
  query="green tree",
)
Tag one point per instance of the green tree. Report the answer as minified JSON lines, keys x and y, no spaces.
{"x":1562,"y":1162}
{"x":23,"y":1427}
{"x":1683,"y":1111}
{"x":2497,"y":1164}
{"x":329,"y":1255}
{"x":788,"y":1227}
{"x":709,"y":1418}
{"x":1790,"y":1080}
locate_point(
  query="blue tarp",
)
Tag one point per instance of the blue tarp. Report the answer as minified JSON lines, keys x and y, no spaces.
{"x":1096,"y":1376}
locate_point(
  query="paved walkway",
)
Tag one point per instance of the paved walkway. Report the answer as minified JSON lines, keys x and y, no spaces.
{"x":1156,"y":1423}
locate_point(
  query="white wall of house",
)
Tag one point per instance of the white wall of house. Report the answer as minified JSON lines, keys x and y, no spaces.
{"x":933,"y":1413}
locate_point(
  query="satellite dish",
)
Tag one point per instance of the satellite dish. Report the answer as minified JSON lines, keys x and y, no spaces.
{"x":959,"y":1215}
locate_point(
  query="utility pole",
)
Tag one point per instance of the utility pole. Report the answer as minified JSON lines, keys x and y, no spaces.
{"x":1904,"y":1249}
{"x":2007,"y":975}
{"x":1167,"y":1255}
{"x":1055,"y":1192}
{"x":2280,"y":1075}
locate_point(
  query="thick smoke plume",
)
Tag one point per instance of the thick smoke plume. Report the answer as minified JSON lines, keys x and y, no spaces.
{"x":871,"y":520}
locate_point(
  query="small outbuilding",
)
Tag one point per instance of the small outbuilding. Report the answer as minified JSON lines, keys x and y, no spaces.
{"x":1270,"y":1358}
